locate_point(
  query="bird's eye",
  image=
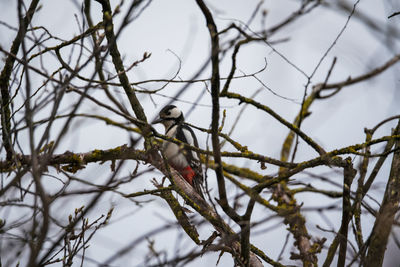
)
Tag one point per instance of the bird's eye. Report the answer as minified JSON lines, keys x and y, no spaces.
{"x":168,"y":113}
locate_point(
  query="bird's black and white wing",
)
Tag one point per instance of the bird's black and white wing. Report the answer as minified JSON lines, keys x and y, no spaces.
{"x":186,"y":135}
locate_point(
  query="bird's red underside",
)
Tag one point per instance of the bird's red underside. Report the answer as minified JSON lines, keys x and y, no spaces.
{"x":188,"y":174}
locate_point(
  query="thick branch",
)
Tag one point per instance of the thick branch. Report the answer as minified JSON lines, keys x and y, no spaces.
{"x":119,"y":67}
{"x":349,"y":172}
{"x":387,"y":211}
{"x":335,"y":243}
{"x":200,"y":205}
{"x":5,"y":77}
{"x":215,"y":88}
{"x":180,"y":215}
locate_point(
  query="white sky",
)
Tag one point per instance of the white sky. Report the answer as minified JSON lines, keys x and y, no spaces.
{"x":178,"y":26}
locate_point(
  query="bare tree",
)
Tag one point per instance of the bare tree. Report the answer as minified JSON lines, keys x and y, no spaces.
{"x":57,"y":198}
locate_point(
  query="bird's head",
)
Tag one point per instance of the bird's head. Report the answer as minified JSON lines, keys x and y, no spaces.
{"x":169,"y":115}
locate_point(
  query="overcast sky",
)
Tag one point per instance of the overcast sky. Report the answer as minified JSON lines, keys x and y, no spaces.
{"x":174,"y":32}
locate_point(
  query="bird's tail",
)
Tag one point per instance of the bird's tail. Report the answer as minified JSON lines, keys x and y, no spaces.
{"x":198,"y":185}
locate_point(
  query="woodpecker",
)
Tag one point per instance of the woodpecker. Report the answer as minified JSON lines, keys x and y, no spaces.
{"x":184,"y":160}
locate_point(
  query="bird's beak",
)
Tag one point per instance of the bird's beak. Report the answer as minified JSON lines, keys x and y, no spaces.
{"x":158,"y":120}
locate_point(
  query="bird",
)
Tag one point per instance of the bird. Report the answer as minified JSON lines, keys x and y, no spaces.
{"x":185,"y":160}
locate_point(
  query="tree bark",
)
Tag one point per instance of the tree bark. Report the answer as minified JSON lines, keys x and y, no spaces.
{"x":389,"y":207}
